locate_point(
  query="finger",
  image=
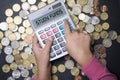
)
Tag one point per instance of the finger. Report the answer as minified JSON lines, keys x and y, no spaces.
{"x":48,"y":45}
{"x":66,"y":27}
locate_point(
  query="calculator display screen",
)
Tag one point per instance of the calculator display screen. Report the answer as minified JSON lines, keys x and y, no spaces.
{"x":49,"y":17}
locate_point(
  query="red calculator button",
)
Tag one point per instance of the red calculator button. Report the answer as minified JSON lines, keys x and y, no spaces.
{"x":43,"y":36}
{"x":55,"y":30}
{"x":49,"y":33}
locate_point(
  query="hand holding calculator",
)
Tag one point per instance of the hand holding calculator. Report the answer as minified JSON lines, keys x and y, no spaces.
{"x":49,"y":22}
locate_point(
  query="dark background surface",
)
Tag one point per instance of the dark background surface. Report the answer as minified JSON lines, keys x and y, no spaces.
{"x":113,"y":53}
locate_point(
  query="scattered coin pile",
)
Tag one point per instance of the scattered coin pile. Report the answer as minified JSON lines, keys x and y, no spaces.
{"x":16,"y":36}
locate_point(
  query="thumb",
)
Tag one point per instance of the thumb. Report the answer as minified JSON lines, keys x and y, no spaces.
{"x":48,"y":45}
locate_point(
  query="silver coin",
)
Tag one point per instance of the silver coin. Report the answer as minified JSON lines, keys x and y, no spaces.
{"x":21,"y":67}
{"x":33,"y":8}
{"x":17,"y":35}
{"x":31,"y":1}
{"x":76,"y":9}
{"x":3,"y":26}
{"x":10,"y":78}
{"x":86,"y":9}
{"x":15,"y":44}
{"x":24,"y":73}
{"x":95,"y":20}
{"x":5,"y":41}
{"x":7,"y":33}
{"x":90,"y":3}
{"x":69,"y":64}
{"x":28,"y":50}
{"x":89,"y":28}
{"x":23,"y":14}
{"x":8,"y":50}
{"x":30,"y":67}
{"x":25,"y":6}
{"x":16,"y":74}
{"x":107,"y":42}
{"x":9,"y":58}
{"x":27,"y":78}
{"x":87,"y":19}
{"x":112,"y":35}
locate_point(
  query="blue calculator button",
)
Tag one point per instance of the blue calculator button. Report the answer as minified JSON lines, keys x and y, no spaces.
{"x":63,"y":32}
{"x":61,"y":27}
{"x":57,"y":35}
{"x":58,"y":52}
{"x":44,"y":41}
{"x":62,"y":44}
{"x":60,"y":39}
{"x":56,"y":47}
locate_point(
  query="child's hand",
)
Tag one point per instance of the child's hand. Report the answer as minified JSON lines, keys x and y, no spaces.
{"x":42,"y":58}
{"x":78,"y":45}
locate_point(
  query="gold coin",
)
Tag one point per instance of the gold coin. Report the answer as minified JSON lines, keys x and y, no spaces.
{"x":21,"y":29}
{"x":107,"y":42}
{"x":6,"y":68}
{"x":23,"y":35}
{"x":9,"y":12}
{"x":54,"y":69}
{"x":78,"y":78}
{"x":118,"y":39}
{"x":11,"y":26}
{"x":26,"y":23}
{"x":61,"y":68}
{"x":12,"y":37}
{"x":105,"y":26}
{"x":54,"y":77}
{"x":1,"y":46}
{"x":98,"y":28}
{"x":103,"y":61}
{"x":96,"y":36}
{"x":9,"y":19}
{"x":35,"y":75}
{"x":29,"y":30}
{"x":19,"y":61}
{"x":81,"y":25}
{"x":50,"y":1}
{"x":1,"y":34}
{"x":13,"y":66}
{"x":24,"y":55}
{"x":75,"y":71}
{"x":15,"y":51}
{"x":17,"y":57}
{"x":33,"y":8}
{"x":41,"y":4}
{"x":71,"y":3}
{"x":75,"y":19}
{"x":31,"y":58}
{"x":104,"y":16}
{"x":82,"y":2}
{"x":16,"y":7}
{"x":17,"y":20}
{"x":26,"y":63}
{"x":35,"y":69}
{"x":104,"y":34}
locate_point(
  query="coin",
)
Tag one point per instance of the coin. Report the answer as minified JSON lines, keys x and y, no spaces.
{"x":15,"y":51}
{"x":76,"y":9}
{"x":25,"y":6}
{"x":112,"y":35}
{"x":69,"y":64}
{"x":8,"y":50}
{"x":50,"y":1}
{"x":9,"y":58}
{"x":41,"y":4}
{"x":34,"y":69}
{"x":86,"y":8}
{"x":17,"y":20}
{"x":104,"y":8}
{"x":82,"y":2}
{"x":107,"y":42}
{"x":1,"y":34}
{"x":105,"y":26}
{"x":89,"y":28}
{"x":31,"y":1}
{"x":23,"y":14}
{"x":29,"y":30}
{"x":61,"y":68}
{"x":28,"y":50}
{"x":24,"y":55}
{"x":35,"y":75}
{"x":96,"y":36}
{"x":5,"y":68}
{"x":10,"y":78}
{"x":81,"y":25}
{"x":26,"y":23}
{"x":104,"y":16}
{"x":15,"y":44}
{"x":75,"y":19}
{"x":1,"y":46}
{"x":81,"y":16}
{"x":23,"y":0}
{"x":24,"y":73}
{"x":11,"y":26}
{"x":28,"y":39}
{"x":17,"y":57}
{"x":31,"y":59}
{"x":87,"y":19}
{"x":12,"y":37}
{"x":54,"y":77}
{"x":26,"y":64}
{"x":103,"y":61}
{"x":16,"y":74}
{"x":8,"y":12}
{"x":71,"y":3}
{"x":98,"y":28}
{"x":104,"y":34}
{"x":13,"y":66}
{"x":33,"y":8}
{"x":54,"y":69}
{"x":16,"y":7}
{"x":21,"y":29}
{"x":9,"y":19}
{"x":118,"y":39}
{"x":95,"y":20}
{"x":3,"y":26}
{"x":75,"y":71}
{"x":20,"y":66}
{"x":78,"y":78}
{"x":92,"y":11}
{"x":5,"y":41}
{"x":43,"y":0}
{"x":17,"y":35}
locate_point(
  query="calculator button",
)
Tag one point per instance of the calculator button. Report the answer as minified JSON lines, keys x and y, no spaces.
{"x":40,"y":32}
{"x":56,"y":47}
{"x":64,"y":49}
{"x":60,"y":39}
{"x":51,"y":50}
{"x":57,"y":35}
{"x":62,"y":44}
{"x":48,"y":28}
{"x":54,"y":42}
{"x":61,"y":27}
{"x":44,"y":41}
{"x":53,"y":37}
{"x":58,"y":52}
{"x":60,"y":22}
{"x":55,"y":30}
{"x":63,"y":32}
{"x":49,"y":33}
{"x":43,"y":36}
{"x":52,"y":26}
{"x":52,"y":55}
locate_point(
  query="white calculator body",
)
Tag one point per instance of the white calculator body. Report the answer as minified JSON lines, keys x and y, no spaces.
{"x":49,"y":22}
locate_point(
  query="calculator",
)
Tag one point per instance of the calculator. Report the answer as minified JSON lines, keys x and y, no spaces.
{"x":48,"y":22}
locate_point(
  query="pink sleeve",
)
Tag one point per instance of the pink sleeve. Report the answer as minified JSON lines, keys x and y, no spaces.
{"x":96,"y":71}
{"x":34,"y":79}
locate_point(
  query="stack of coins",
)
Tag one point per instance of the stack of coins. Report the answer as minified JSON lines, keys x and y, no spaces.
{"x":16,"y":36}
